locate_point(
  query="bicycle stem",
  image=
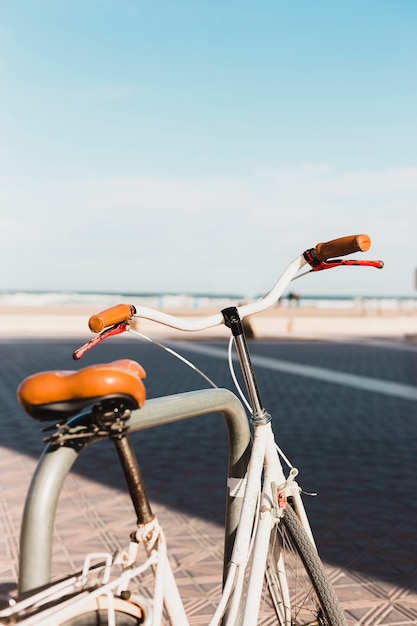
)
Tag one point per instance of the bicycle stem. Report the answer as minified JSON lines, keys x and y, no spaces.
{"x":233,"y":321}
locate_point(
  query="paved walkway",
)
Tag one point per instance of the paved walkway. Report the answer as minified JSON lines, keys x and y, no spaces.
{"x":355,"y":445}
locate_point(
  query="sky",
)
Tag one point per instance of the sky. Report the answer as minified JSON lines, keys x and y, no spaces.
{"x":201,"y":145}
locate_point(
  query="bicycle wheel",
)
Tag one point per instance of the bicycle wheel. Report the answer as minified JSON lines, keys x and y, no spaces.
{"x":100,"y":618}
{"x":298,"y":585}
{"x":126,"y":614}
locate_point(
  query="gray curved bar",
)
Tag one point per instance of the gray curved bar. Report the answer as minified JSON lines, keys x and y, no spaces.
{"x":55,"y":463}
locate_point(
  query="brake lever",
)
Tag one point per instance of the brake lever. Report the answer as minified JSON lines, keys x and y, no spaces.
{"x":116,"y":329}
{"x":317,"y":266}
{"x":328,"y":265}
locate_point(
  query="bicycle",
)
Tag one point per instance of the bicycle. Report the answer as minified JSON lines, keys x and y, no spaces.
{"x":267,"y":533}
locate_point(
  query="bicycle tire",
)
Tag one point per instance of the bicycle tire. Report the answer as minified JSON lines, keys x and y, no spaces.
{"x":100,"y":618}
{"x":126,"y":614}
{"x":312,"y":597}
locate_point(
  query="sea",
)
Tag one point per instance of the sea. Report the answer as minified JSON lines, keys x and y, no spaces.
{"x":99,"y":300}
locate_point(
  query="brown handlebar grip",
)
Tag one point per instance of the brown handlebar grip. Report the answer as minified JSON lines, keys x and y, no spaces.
{"x":109,"y":317}
{"x":342,"y":246}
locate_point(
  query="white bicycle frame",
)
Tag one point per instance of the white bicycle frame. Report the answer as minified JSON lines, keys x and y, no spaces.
{"x":260,"y":511}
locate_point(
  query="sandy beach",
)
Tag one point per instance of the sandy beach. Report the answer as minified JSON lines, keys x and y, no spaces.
{"x":282,"y":322}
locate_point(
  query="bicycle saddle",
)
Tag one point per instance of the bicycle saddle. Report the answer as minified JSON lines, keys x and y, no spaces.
{"x":60,"y":394}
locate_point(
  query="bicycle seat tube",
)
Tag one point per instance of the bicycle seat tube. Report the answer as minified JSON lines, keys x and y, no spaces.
{"x":233,"y":321}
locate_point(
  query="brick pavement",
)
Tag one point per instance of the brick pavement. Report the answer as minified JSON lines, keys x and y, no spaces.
{"x":367,"y":533}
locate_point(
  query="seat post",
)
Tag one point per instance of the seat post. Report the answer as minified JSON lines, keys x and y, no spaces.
{"x":133,"y":477}
{"x":111,"y":416}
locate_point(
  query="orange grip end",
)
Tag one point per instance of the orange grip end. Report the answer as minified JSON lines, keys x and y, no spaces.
{"x":109,"y":317}
{"x":342,"y":246}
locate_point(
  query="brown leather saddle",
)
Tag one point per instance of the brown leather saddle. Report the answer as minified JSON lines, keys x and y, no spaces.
{"x":60,"y":394}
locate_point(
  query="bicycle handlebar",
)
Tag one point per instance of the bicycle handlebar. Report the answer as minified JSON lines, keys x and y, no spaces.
{"x":123,"y":313}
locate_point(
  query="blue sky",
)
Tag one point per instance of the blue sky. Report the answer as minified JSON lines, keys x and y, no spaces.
{"x":200,"y":146}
